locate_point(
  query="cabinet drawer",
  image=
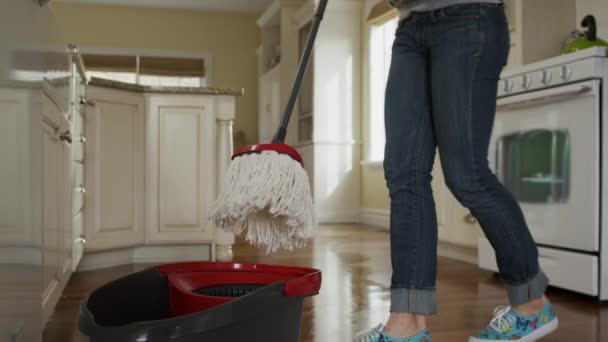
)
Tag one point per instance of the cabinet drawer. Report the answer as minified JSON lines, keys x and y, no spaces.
{"x":569,"y":270}
{"x":79,"y":190}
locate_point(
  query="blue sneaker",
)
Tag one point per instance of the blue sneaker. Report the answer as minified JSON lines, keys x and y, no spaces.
{"x":377,"y":335}
{"x":507,"y":324}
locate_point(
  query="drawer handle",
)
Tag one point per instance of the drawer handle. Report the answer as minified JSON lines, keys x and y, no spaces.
{"x":66,"y":136}
{"x":82,"y":139}
{"x":81,"y":189}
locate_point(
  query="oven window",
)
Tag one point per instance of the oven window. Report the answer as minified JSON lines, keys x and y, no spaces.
{"x":535,"y":165}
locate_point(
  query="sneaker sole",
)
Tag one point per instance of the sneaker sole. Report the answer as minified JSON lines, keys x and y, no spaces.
{"x":534,"y":336}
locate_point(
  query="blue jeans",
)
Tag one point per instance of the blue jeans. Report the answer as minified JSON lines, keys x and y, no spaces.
{"x":441,"y":93}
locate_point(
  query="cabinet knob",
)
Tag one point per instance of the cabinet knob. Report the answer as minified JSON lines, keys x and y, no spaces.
{"x":80,"y":189}
{"x":66,"y":136}
{"x":547,"y":77}
{"x":566,"y":72}
{"x":86,"y":102}
{"x":82,"y":139}
{"x":508,"y":85}
{"x":526,"y":82}
{"x":81,"y":240}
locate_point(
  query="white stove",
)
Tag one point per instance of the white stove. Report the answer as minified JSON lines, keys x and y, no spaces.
{"x":548,"y":149}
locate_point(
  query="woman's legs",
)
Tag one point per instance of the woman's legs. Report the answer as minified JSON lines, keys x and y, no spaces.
{"x":409,"y":156}
{"x":442,"y":92}
{"x":468,"y":53}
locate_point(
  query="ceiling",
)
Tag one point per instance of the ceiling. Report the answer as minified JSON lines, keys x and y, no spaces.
{"x":251,"y":6}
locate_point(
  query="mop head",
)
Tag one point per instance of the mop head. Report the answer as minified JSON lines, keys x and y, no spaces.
{"x":268,"y":194}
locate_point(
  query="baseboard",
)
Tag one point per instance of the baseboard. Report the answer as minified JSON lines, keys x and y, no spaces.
{"x":333,"y":218}
{"x":144,"y":254}
{"x":376,"y":217}
{"x":456,"y":252}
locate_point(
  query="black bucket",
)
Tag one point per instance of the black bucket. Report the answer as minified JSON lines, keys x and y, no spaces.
{"x":203,"y":302}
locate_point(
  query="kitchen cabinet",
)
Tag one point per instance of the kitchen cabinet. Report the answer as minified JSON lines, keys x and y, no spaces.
{"x":114,"y":176}
{"x":57,"y":188}
{"x":50,"y":217}
{"x":180,"y":169}
{"x":173,"y":147}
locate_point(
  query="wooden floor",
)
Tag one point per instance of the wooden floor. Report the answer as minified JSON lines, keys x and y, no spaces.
{"x":355,"y":261}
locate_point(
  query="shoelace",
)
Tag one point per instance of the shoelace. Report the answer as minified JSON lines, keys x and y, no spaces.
{"x":368,"y":335}
{"x":502,"y":318}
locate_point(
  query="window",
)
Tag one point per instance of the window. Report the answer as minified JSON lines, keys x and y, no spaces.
{"x":147,"y":70}
{"x":381,"y":39}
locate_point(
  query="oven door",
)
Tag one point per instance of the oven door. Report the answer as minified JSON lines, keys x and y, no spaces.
{"x":545,"y":150}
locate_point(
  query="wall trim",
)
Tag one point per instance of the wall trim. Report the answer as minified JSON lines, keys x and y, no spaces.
{"x":376,"y":217}
{"x":144,"y":254}
{"x":375,"y":164}
{"x":381,"y":218}
{"x":457,"y":252}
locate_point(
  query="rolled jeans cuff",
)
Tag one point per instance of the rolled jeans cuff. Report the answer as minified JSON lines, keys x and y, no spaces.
{"x":528,"y":291}
{"x":421,"y":302}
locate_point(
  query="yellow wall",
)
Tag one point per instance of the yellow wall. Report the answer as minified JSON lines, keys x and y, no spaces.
{"x":374,"y":193}
{"x":599,"y":8}
{"x":231,"y":38}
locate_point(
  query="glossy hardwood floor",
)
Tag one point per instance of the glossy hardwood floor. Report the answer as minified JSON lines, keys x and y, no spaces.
{"x":355,"y":261}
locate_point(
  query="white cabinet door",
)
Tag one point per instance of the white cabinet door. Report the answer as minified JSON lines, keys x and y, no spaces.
{"x":51,"y":253}
{"x":66,"y":180}
{"x":180,"y":169}
{"x":114,"y":177}
{"x":455,"y":224}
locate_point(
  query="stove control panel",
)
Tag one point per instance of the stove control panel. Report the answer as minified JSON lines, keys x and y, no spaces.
{"x":550,"y":76}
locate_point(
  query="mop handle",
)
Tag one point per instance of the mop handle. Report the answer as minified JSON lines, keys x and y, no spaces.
{"x":279,"y":136}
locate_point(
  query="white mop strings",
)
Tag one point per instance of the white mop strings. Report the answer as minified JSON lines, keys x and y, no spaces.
{"x":269,"y":194}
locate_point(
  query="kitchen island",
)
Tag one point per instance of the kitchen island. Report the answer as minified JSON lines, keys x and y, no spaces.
{"x":155,"y":161}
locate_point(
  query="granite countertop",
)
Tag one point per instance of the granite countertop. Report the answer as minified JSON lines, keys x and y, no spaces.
{"x":101,"y":82}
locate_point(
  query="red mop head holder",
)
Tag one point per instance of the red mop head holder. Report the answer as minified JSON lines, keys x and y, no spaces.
{"x":279,"y":148}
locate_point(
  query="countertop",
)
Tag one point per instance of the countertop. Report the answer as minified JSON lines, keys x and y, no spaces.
{"x":101,"y":82}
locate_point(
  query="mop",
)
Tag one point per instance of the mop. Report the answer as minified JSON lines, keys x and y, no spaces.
{"x":266,"y":189}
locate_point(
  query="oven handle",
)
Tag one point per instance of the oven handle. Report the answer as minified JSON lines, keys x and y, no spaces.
{"x":543,"y":95}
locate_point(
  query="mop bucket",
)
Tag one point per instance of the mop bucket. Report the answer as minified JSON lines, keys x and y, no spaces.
{"x":201,"y":301}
